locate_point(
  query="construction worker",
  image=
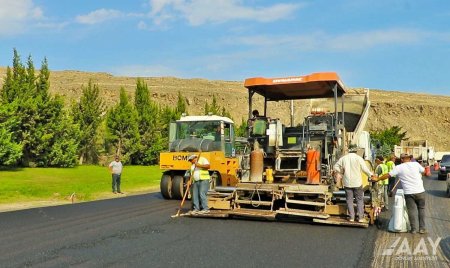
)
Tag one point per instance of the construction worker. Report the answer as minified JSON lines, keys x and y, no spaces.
{"x":392,"y":181}
{"x":410,"y":175}
{"x":200,"y":183}
{"x":351,"y":165}
{"x":380,"y":170}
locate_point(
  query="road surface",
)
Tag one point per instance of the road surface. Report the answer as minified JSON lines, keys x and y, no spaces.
{"x":138,"y":231}
{"x":429,"y":250}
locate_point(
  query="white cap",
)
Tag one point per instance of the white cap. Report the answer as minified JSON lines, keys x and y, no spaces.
{"x":192,"y":156}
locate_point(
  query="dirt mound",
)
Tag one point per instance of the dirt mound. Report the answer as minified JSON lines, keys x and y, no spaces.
{"x":423,"y":116}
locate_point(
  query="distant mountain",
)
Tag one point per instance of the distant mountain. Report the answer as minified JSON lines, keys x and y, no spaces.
{"x":423,"y":116}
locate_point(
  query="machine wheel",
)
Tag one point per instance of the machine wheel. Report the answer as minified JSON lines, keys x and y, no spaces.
{"x":177,"y":187}
{"x":448,"y":192}
{"x":166,"y":186}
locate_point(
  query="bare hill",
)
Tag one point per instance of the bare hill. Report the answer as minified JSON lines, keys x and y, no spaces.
{"x":423,"y":116}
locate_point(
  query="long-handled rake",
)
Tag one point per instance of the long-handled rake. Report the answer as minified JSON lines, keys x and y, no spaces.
{"x":184,"y":198}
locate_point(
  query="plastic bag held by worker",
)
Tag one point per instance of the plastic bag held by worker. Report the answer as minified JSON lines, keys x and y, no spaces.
{"x":399,"y":222}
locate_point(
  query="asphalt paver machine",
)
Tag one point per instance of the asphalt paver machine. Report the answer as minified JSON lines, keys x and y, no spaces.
{"x":287,"y":174}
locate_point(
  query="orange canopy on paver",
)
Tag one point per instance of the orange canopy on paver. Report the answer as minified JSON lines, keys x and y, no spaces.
{"x":316,"y":85}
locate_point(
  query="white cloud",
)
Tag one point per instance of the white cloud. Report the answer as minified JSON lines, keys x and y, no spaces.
{"x":370,"y":39}
{"x":15,"y":15}
{"x":52,"y":25}
{"x":145,"y":71}
{"x":198,"y":12}
{"x":349,"y":41}
{"x":99,"y":16}
{"x":264,"y":47}
{"x":307,"y":42}
{"x":159,"y":5}
{"x":142,"y":25}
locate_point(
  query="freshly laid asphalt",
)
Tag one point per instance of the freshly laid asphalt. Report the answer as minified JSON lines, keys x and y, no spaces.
{"x":138,"y":231}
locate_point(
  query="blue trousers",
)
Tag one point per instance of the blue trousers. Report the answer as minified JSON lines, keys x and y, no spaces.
{"x":199,"y":190}
{"x":116,"y":182}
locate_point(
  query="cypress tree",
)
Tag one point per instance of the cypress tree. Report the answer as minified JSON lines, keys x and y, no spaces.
{"x":122,"y":127}
{"x":10,"y":151}
{"x":87,"y":113}
{"x":206,"y":107}
{"x":181,"y":105}
{"x":241,"y":130}
{"x":147,"y":118}
{"x":40,"y":123}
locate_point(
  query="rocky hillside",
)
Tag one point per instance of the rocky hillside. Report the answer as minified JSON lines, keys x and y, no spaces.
{"x":423,"y":116}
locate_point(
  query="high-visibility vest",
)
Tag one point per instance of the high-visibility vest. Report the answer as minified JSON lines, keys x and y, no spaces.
{"x":382,"y":169}
{"x":203,"y":173}
{"x":390,"y":165}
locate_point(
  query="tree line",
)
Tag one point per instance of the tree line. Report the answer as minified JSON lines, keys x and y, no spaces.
{"x":37,"y":130}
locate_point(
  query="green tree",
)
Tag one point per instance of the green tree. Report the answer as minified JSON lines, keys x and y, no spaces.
{"x":241,"y":130}
{"x":148,"y":123}
{"x":226,"y":113}
{"x":214,"y":108}
{"x":64,"y":148}
{"x":8,"y":88}
{"x":122,"y":128}
{"x":166,"y":115}
{"x":54,"y":138}
{"x":16,"y":80}
{"x":38,"y":116}
{"x":87,"y":113}
{"x":384,"y":140}
{"x":206,"y":109}
{"x":10,"y":151}
{"x":181,"y":105}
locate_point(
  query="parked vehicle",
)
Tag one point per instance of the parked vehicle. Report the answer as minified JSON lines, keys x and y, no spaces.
{"x":444,"y":167}
{"x":438,"y":155}
{"x":448,"y":185}
{"x":419,"y":149}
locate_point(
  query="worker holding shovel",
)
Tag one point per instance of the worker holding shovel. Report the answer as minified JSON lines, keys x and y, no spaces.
{"x":200,"y":183}
{"x":199,"y":179}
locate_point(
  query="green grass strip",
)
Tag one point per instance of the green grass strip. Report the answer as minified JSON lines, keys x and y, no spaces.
{"x":87,"y":182}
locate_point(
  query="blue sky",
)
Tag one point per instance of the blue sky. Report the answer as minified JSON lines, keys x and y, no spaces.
{"x":399,"y":45}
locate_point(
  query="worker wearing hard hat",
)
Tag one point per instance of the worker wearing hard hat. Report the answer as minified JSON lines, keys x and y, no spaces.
{"x":410,"y":175}
{"x":351,"y":165}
